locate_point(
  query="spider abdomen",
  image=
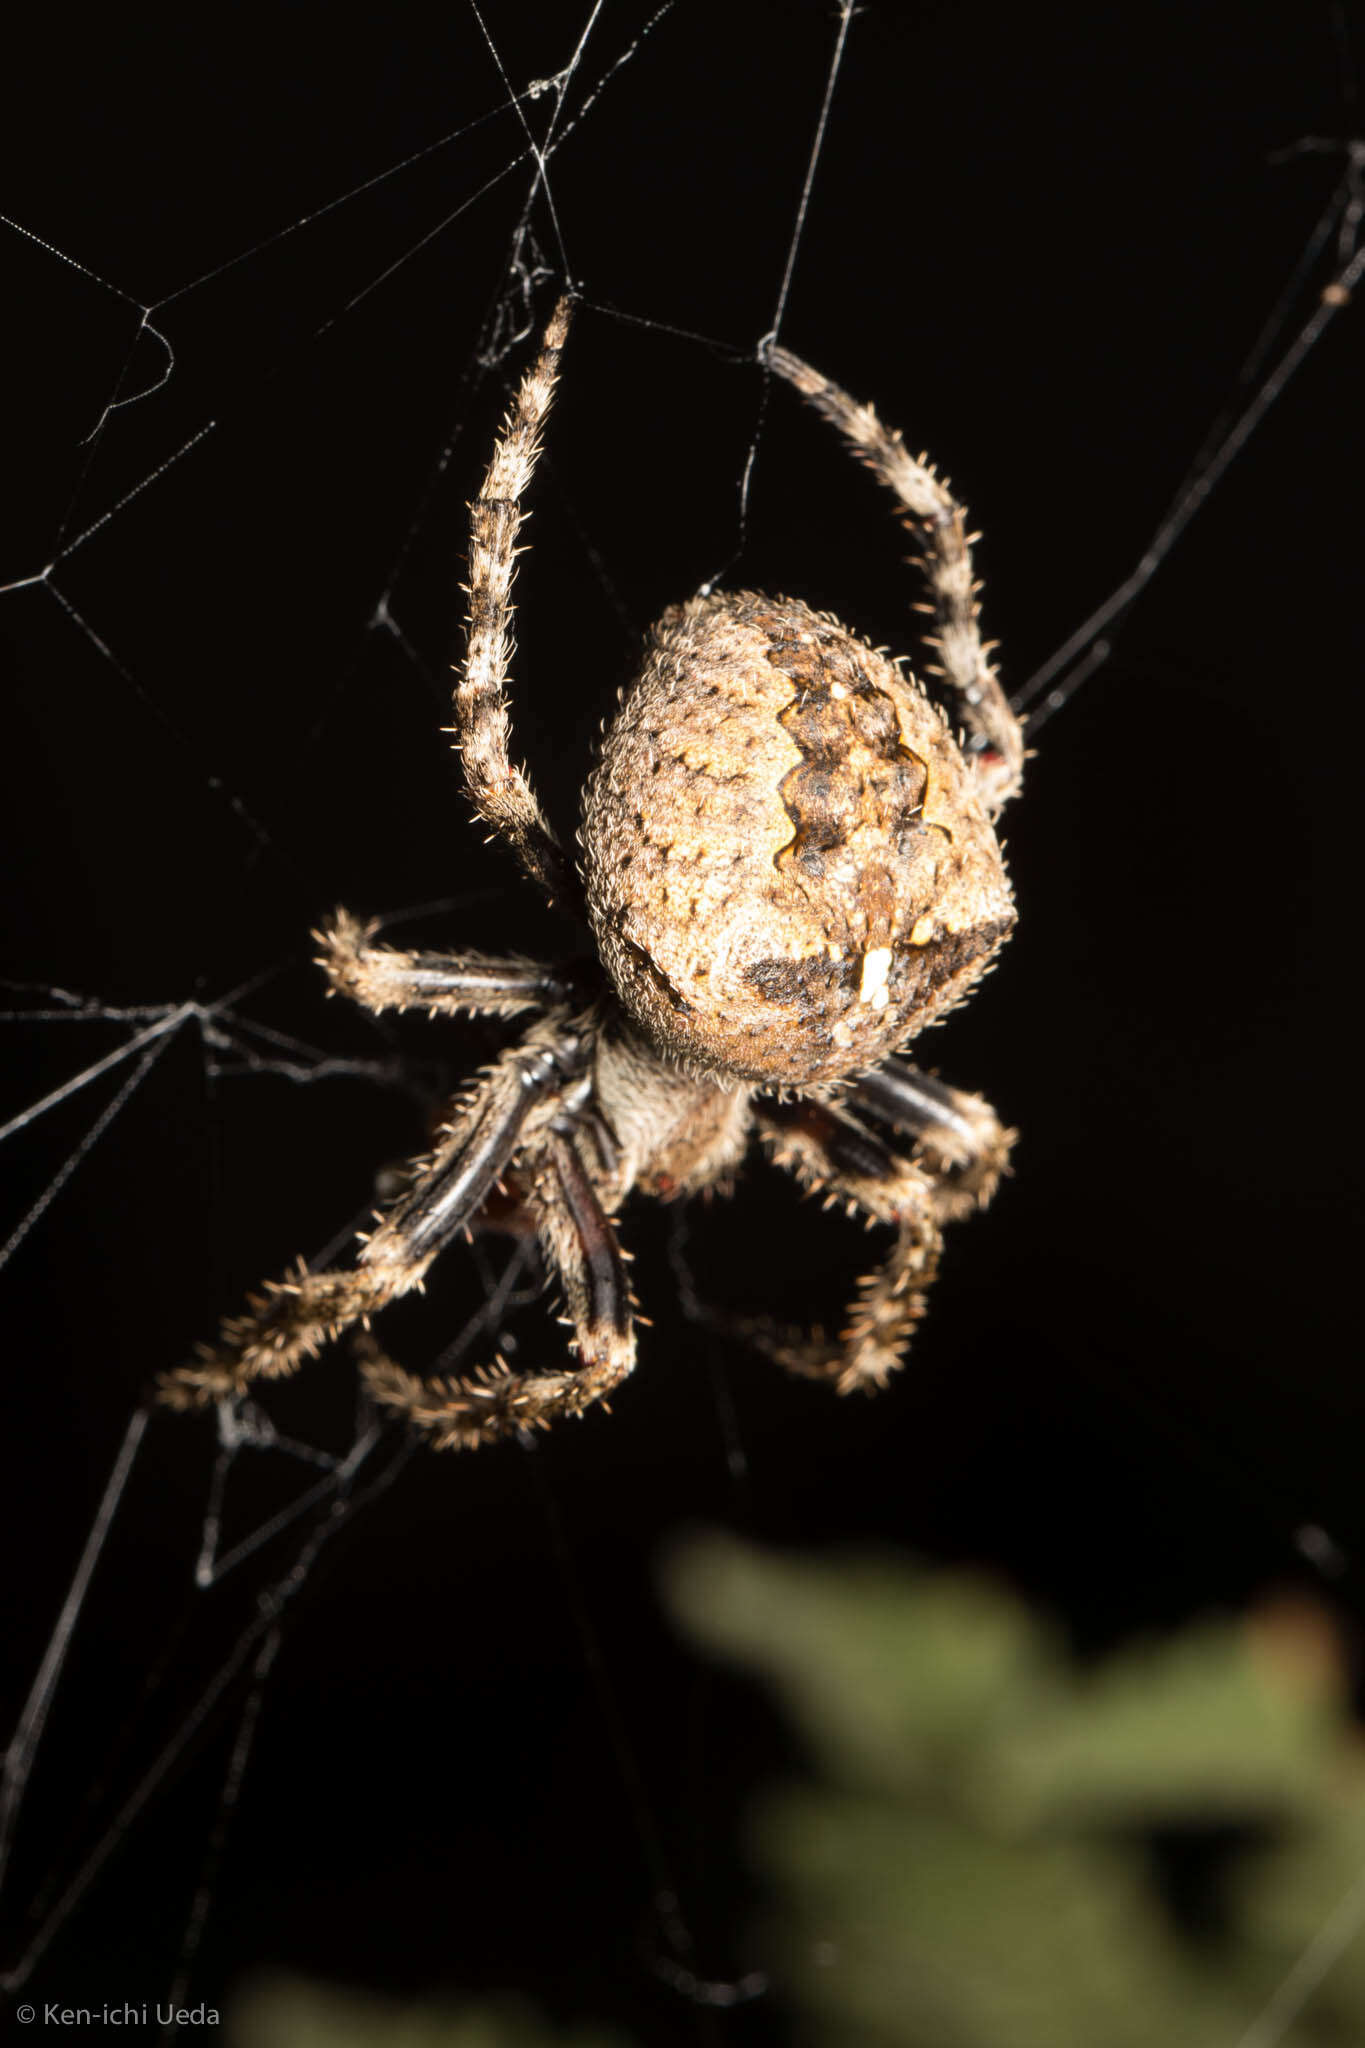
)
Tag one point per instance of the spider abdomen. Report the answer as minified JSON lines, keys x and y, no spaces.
{"x":789,"y":869}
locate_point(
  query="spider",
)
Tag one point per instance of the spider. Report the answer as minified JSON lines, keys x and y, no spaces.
{"x":789,"y":868}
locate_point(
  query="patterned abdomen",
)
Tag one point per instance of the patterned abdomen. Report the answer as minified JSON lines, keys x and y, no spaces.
{"x":789,"y":871}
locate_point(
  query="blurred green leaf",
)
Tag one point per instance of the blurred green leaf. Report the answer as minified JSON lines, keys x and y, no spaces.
{"x":974,"y":1858}
{"x":973,"y":1863}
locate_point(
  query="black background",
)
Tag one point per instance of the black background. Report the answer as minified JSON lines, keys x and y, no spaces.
{"x":1044,"y":246}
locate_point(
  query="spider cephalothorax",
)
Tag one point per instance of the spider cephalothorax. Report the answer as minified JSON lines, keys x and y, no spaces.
{"x":789,"y":869}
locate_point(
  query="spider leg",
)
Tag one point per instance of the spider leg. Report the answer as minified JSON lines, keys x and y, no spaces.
{"x":831,"y":1153}
{"x":450,"y":984}
{"x":293,"y":1318}
{"x":940,"y":524}
{"x":960,"y":1139}
{"x":501,"y":792}
{"x":580,"y":1240}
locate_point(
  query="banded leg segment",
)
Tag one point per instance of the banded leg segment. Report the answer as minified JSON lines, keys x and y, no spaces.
{"x":501,"y":792}
{"x":580,"y":1242}
{"x":940,"y":525}
{"x":833,"y":1154}
{"x":291,"y":1319}
{"x":448,"y":984}
{"x":961,"y":1142}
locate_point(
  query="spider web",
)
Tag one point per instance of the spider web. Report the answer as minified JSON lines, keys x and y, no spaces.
{"x":307,"y":1698}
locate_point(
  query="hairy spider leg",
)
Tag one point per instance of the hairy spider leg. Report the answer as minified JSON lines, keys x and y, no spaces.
{"x":463,"y":1413}
{"x":448,"y":984}
{"x":831,"y":1154}
{"x":940,"y":525}
{"x":501,"y":793}
{"x":960,"y":1139}
{"x":293,"y":1318}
